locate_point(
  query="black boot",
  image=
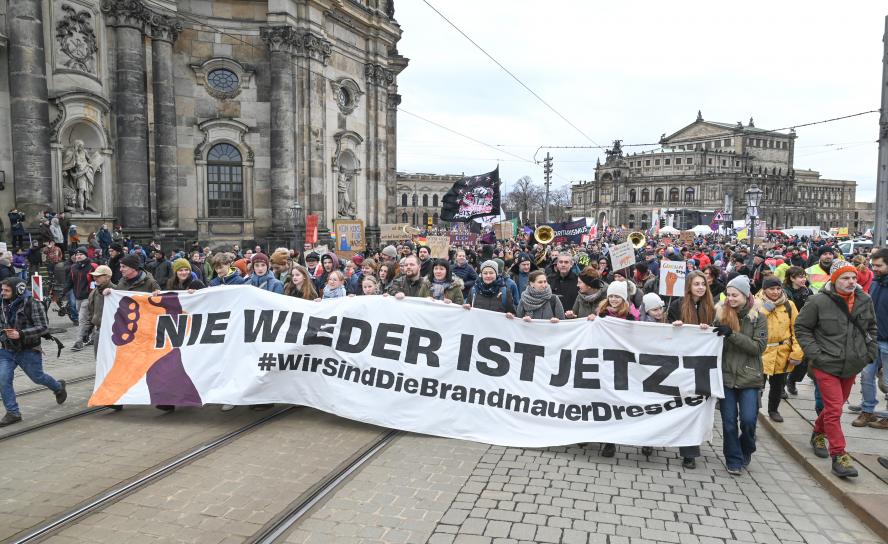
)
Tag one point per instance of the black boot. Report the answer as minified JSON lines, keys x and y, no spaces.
{"x":791,"y":389}
{"x":609,"y":450}
{"x":62,"y":394}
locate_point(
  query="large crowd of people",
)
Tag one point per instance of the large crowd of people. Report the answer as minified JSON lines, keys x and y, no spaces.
{"x":788,"y":309}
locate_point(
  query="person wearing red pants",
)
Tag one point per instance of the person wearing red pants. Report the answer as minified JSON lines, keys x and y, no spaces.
{"x":837,"y":331}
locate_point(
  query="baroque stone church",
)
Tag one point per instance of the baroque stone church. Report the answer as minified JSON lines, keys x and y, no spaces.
{"x":199,"y":119}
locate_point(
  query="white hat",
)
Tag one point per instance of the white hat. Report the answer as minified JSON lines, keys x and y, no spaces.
{"x":652,"y":301}
{"x":619,"y":289}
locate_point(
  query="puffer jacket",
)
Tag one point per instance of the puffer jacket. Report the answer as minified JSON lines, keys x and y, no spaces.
{"x":454,"y":293}
{"x":782,"y":342}
{"x":742,"y":352}
{"x":831,"y":341}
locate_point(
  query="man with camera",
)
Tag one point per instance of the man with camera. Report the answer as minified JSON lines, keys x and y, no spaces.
{"x":22,"y":323}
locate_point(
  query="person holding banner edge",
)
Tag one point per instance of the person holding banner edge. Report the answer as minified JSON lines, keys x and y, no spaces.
{"x":745,"y":331}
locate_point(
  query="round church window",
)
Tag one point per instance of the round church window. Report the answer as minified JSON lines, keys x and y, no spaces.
{"x":223,"y":80}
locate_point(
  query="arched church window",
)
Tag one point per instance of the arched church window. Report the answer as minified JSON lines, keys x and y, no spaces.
{"x":425,"y":200}
{"x":404,"y":200}
{"x":658,"y":195}
{"x":225,"y":183}
{"x":435,"y":203}
{"x":404,"y":217}
{"x":645,"y":196}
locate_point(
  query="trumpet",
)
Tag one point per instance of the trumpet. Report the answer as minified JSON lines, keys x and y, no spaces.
{"x":638,"y":240}
{"x":544,"y":234}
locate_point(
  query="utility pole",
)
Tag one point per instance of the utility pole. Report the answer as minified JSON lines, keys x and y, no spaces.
{"x":547,"y":170}
{"x":882,"y":172}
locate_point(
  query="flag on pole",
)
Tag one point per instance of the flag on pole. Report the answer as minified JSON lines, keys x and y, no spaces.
{"x":471,"y":197}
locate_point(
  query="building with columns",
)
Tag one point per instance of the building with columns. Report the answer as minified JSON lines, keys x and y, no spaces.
{"x":199,"y":119}
{"x":707,"y":166}
{"x":418,"y":197}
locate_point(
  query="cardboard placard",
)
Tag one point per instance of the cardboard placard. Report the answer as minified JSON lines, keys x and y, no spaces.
{"x":311,"y":229}
{"x":622,"y":256}
{"x":349,"y":237}
{"x":393,"y":232}
{"x":439,"y":246}
{"x":687,"y":237}
{"x":672,"y":278}
{"x":504,"y":230}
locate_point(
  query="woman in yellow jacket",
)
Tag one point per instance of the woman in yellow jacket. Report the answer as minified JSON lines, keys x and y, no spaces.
{"x":783,"y":352}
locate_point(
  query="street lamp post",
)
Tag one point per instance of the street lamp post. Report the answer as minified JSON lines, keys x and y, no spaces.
{"x":753,"y":197}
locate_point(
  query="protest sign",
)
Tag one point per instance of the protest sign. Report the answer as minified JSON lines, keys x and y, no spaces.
{"x":311,"y":229}
{"x":463,"y":239}
{"x":439,"y":246}
{"x":569,"y":233}
{"x":413,"y":364}
{"x":349,"y":237}
{"x":687,"y":237}
{"x":393,"y":232}
{"x":672,"y":278}
{"x":504,"y":230}
{"x":622,"y":255}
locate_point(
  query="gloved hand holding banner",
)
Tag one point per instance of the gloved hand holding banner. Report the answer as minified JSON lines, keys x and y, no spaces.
{"x":414,"y":365}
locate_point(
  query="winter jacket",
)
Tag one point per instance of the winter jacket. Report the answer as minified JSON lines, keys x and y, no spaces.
{"x":161,"y":270}
{"x":468,"y":276}
{"x":28,"y":317}
{"x":864,"y":279}
{"x":879,"y":294}
{"x":547,"y":311}
{"x":454,"y":293}
{"x":267,"y":282}
{"x":798,"y":296}
{"x":420,"y":287}
{"x":582,"y":308}
{"x":564,"y":287}
{"x":828,"y":336}
{"x":742,"y":351}
{"x":95,"y":305}
{"x":232,"y":278}
{"x":521,"y":280}
{"x":79,"y":279}
{"x":503,"y":301}
{"x":782,"y":342}
{"x":143,"y":283}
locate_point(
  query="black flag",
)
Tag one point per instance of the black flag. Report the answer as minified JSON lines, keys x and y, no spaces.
{"x":471,"y":197}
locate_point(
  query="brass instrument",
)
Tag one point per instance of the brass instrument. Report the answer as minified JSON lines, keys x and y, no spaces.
{"x":544,"y":234}
{"x":638,"y":239}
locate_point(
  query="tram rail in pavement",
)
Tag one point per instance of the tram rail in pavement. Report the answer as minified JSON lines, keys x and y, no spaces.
{"x":40,"y":388}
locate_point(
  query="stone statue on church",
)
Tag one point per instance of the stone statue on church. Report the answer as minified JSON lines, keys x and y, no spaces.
{"x":79,"y":169}
{"x":346,"y":207}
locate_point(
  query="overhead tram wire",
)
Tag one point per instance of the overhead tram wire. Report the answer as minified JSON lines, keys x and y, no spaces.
{"x":506,"y":70}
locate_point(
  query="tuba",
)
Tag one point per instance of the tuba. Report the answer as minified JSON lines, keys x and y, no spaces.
{"x":638,"y":240}
{"x":544,"y":234}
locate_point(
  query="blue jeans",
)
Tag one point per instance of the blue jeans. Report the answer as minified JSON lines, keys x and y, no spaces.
{"x":72,"y":308}
{"x":31,"y":362}
{"x":739,"y":442}
{"x":868,"y":380}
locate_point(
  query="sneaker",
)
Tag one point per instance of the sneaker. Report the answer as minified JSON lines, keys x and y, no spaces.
{"x":227,"y":407}
{"x":883,"y":461}
{"x":9,"y":419}
{"x":880,"y":424}
{"x":842,"y":466}
{"x":775,"y":416}
{"x":62,"y":394}
{"x":746,"y":460}
{"x":818,"y":442}
{"x":689,"y":463}
{"x":165,"y":407}
{"x":609,"y":450}
{"x":864,"y":419}
{"x":784,"y":395}
{"x":791,"y":389}
{"x":89,"y":342}
{"x":735,"y":471}
{"x":647,"y":451}
{"x":78,"y":345}
{"x":855,"y":408}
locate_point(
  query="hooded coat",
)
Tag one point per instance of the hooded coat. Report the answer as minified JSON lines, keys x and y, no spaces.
{"x":742,"y":351}
{"x":782,"y":342}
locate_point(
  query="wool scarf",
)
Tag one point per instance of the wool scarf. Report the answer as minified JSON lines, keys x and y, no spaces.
{"x":334,"y":293}
{"x":534,"y":299}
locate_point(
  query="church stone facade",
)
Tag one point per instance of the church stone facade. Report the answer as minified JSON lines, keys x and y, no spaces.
{"x":707,"y":166}
{"x":199,"y":119}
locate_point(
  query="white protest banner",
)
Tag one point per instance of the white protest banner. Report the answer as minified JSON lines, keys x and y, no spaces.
{"x":393,"y":232}
{"x":414,"y":364}
{"x":622,"y":255}
{"x":672,"y":278}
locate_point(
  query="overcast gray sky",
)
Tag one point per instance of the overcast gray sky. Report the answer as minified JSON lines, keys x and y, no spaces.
{"x":633,"y":70}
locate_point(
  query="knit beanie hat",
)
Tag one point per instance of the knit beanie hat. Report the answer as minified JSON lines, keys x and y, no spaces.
{"x":619,"y":289}
{"x":652,"y":301}
{"x":81,"y":250}
{"x":181,"y":264}
{"x":131,"y":261}
{"x":770,"y":281}
{"x":838,"y":268}
{"x":390,"y":252}
{"x":590,"y":277}
{"x":241,"y":265}
{"x":740,"y":283}
{"x":259,"y":258}
{"x":489,"y":264}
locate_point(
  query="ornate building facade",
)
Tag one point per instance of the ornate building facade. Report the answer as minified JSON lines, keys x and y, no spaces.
{"x":708,"y":166}
{"x":417,"y":198}
{"x":200,"y":119}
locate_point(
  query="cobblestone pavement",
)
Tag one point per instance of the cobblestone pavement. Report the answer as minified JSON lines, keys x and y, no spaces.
{"x":231,"y":493}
